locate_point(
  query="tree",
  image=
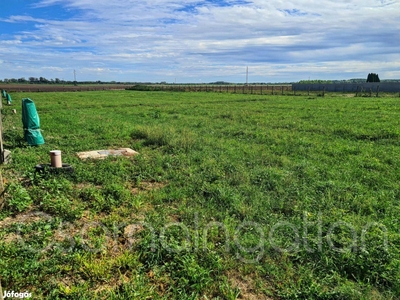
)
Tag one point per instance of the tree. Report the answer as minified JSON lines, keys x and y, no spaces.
{"x":372,"y":77}
{"x":43,"y":80}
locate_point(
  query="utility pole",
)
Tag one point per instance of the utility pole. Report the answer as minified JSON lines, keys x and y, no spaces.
{"x":75,"y":83}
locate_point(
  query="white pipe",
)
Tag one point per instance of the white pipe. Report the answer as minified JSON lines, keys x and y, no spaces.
{"x":55,"y":157}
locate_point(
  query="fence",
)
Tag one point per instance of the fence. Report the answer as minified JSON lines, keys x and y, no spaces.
{"x":238,"y":89}
{"x":371,"y":87}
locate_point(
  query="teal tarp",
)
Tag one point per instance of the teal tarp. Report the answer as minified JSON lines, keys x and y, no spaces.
{"x":8,"y":98}
{"x":31,"y":122}
{"x":3,"y":92}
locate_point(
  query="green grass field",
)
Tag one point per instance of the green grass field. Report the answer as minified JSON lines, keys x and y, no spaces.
{"x":231,"y":197}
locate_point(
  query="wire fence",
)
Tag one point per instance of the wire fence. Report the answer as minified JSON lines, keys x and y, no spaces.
{"x":237,"y":89}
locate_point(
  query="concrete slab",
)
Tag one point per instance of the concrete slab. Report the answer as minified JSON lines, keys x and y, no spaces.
{"x":101,"y":154}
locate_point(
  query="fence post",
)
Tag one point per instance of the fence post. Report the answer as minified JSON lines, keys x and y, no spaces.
{"x":261,"y":90}
{"x":1,"y":289}
{"x":282,"y":89}
{"x":1,"y":133}
{"x":377,"y":91}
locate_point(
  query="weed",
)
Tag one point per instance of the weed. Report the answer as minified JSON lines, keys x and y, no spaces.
{"x":18,"y":199}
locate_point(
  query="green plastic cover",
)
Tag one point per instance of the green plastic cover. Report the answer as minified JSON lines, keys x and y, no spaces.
{"x":31,"y":123}
{"x":3,"y":92}
{"x":33,"y":137}
{"x":9,"y":98}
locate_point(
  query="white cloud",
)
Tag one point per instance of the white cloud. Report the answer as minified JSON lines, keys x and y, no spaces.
{"x":151,"y":40}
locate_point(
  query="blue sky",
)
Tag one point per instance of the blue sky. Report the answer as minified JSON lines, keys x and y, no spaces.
{"x":199,"y":40}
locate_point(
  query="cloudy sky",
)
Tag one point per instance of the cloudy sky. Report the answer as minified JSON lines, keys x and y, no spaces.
{"x":198,"y":40}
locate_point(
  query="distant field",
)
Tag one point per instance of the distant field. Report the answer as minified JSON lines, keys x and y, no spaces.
{"x":232,"y":197}
{"x":231,"y":88}
{"x":26,"y":87}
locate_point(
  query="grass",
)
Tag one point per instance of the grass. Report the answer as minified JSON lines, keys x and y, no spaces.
{"x":231,"y":197}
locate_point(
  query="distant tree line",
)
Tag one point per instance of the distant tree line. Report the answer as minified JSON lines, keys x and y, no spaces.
{"x":43,"y":80}
{"x":316,"y":81}
{"x":372,"y":77}
{"x":34,"y":80}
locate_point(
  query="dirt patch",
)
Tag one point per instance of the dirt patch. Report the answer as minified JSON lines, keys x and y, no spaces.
{"x":26,"y":218}
{"x":11,"y":238}
{"x":84,"y":185}
{"x":129,"y":233}
{"x":148,"y":186}
{"x":246,"y":285}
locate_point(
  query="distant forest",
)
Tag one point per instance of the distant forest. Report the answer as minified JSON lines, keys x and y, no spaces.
{"x":43,"y":80}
